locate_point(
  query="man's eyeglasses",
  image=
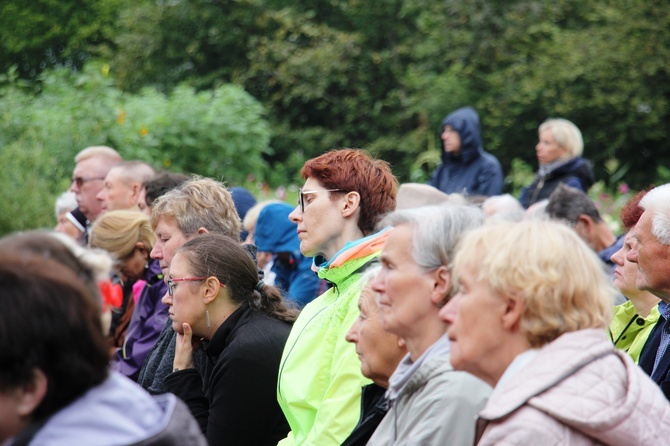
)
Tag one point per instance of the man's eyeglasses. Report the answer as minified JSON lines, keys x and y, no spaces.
{"x":79,"y":181}
{"x":302,"y":193}
{"x":171,"y":282}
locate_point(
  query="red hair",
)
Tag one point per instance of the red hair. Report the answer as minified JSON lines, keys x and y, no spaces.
{"x":354,"y":170}
{"x":631,"y":211}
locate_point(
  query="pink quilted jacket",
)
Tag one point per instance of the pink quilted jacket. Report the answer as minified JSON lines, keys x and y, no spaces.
{"x":578,"y":390}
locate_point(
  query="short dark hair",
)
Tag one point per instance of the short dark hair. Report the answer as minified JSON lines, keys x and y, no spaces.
{"x":161,"y":184}
{"x":49,"y":321}
{"x":568,"y":203}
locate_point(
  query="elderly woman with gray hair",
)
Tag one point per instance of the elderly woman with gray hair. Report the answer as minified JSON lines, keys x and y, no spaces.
{"x":430,"y":403}
{"x":529,"y":318}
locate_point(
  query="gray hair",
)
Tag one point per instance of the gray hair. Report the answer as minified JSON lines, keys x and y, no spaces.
{"x":436,"y":230}
{"x":657,"y":201}
{"x":135,"y":171}
{"x":503,"y":208}
{"x":67,"y":201}
{"x":568,"y":203}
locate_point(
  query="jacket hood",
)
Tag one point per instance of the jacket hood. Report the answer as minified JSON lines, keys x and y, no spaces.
{"x":115,"y":412}
{"x":579,"y":380}
{"x":466,"y":122}
{"x":275,"y":232}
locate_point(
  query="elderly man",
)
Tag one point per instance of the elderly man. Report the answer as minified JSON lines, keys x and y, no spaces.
{"x":123,"y":186}
{"x":92,"y":165}
{"x":650,"y":249}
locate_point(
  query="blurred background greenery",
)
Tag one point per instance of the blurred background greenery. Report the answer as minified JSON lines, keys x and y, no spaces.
{"x":246,"y":90}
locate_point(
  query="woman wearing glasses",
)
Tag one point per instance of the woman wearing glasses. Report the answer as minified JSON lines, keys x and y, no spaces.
{"x":320,"y":379}
{"x":215,"y":295}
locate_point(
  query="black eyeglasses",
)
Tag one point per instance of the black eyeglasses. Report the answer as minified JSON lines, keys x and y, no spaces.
{"x":79,"y":181}
{"x":302,"y":193}
{"x":171,"y":282}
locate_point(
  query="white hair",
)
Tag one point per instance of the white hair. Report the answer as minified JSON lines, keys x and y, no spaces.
{"x":65,"y":202}
{"x":657,"y":201}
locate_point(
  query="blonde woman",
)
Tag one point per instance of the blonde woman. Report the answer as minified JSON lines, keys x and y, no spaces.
{"x":559,"y":154}
{"x":128,"y":236}
{"x":529,"y":318}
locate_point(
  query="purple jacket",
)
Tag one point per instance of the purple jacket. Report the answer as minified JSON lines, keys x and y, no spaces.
{"x":149,"y":318}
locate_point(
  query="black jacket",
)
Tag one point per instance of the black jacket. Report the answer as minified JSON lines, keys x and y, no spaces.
{"x":234,"y":397}
{"x":373,"y":408}
{"x":648,"y":356}
{"x":576,"y":173}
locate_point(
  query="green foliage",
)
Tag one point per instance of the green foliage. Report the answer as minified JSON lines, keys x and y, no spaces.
{"x":219,"y":133}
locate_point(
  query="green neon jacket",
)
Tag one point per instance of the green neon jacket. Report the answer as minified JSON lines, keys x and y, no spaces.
{"x":320,"y":380}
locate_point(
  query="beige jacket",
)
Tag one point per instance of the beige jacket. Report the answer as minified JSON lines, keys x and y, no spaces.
{"x":578,"y":390}
{"x":438,"y":406}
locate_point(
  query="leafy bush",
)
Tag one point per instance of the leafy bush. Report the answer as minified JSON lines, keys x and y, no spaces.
{"x":220,"y":133}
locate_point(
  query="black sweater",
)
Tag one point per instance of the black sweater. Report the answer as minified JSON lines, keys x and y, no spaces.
{"x":234,"y":396}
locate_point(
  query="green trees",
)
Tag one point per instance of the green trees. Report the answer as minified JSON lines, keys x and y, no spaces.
{"x":220,"y":133}
{"x":379,"y":75}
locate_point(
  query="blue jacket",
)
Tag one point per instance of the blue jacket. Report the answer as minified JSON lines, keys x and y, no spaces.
{"x":472,"y":171}
{"x":277,"y":234}
{"x":149,"y":318}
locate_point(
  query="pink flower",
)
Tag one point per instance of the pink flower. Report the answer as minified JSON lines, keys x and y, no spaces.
{"x":623,"y":188}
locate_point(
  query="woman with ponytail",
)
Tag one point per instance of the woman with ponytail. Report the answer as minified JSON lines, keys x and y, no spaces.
{"x":217,"y":302}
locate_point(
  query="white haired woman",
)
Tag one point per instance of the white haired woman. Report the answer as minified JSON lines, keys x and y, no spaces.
{"x":529,"y":318}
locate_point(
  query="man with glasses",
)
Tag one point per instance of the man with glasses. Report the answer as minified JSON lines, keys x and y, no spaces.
{"x":92,"y":165}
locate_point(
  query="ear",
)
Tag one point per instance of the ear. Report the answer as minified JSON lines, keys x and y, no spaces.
{"x":586,"y":222}
{"x":514,"y":308}
{"x":202,"y":230}
{"x":442,"y":286}
{"x":212,"y":287}
{"x":352,"y":202}
{"x":135,"y":190}
{"x":32,"y":394}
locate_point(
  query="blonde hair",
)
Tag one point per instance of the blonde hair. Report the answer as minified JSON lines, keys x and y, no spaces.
{"x":566,"y":134}
{"x":98,"y":152}
{"x":199,"y":203}
{"x":251,"y":217}
{"x":117,"y":232}
{"x":561,"y":280}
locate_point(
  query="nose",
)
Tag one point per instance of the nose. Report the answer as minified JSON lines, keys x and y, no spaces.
{"x":352,"y":334}
{"x":296,"y":215}
{"x":156,"y":251}
{"x":73,"y":187}
{"x":167,"y":299}
{"x":449,"y":311}
{"x":618,"y":257}
{"x":632,"y":256}
{"x":378,"y":282}
{"x":101,"y":195}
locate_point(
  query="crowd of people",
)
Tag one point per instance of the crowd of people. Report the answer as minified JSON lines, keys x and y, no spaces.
{"x":169,"y":309}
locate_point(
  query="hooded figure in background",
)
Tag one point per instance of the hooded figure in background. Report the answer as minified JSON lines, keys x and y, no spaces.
{"x":276,"y":234}
{"x":466,"y":168}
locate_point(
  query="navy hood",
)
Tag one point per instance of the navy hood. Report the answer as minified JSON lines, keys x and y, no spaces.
{"x":466,"y":122}
{"x":244,"y":201}
{"x":275,"y":232}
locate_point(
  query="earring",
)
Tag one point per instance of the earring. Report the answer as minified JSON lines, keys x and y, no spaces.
{"x":207,"y":317}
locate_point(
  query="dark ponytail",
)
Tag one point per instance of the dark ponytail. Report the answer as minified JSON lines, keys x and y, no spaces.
{"x":220,"y":256}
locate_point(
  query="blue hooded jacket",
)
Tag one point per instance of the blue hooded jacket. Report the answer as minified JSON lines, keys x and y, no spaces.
{"x":471,"y":171}
{"x":275,"y":233}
